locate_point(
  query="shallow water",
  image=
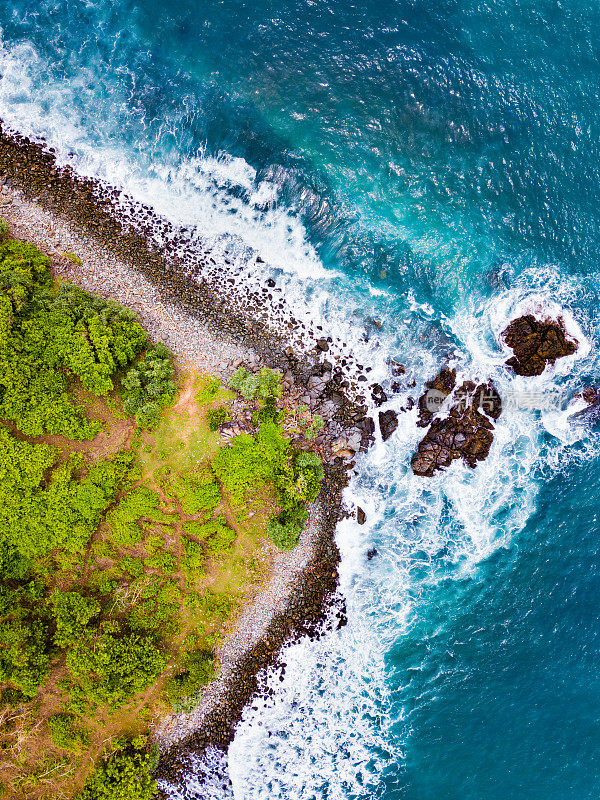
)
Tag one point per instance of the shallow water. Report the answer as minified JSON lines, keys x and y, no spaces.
{"x":435,"y":165}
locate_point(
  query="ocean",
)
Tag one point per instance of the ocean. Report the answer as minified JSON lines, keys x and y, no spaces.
{"x":432,"y":165}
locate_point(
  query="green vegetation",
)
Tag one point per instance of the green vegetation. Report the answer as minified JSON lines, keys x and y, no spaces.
{"x":256,"y":385}
{"x":66,"y":735}
{"x":124,"y":774}
{"x":74,"y":258}
{"x":184,"y":688}
{"x":148,"y":387}
{"x":216,"y":417}
{"x":115,"y":548}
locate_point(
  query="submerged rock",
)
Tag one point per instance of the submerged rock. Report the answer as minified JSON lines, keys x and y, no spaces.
{"x":465,"y":433}
{"x":536,"y":343}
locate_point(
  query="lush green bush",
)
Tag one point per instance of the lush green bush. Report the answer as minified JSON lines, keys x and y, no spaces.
{"x":197,"y":491}
{"x":199,"y":668}
{"x":268,"y":412}
{"x":47,"y":338}
{"x":317,"y":425}
{"x":217,"y":535}
{"x":256,"y":385}
{"x":148,"y":387}
{"x":124,"y":518}
{"x":72,"y":612}
{"x":252,"y":460}
{"x":124,"y":774}
{"x":64,"y":733}
{"x":193,"y":560}
{"x":216,"y":604}
{"x":305,"y":483}
{"x":113,"y":666}
{"x":286,"y":529}
{"x":43,"y":508}
{"x":24,"y":657}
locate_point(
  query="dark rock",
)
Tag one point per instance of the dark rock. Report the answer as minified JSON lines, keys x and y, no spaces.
{"x":371,"y":553}
{"x":361,"y":517}
{"x":465,"y":433}
{"x":378,"y":395}
{"x":536,"y":344}
{"x":322,"y":345}
{"x":270,"y":283}
{"x":388,"y":422}
{"x":436,"y":391}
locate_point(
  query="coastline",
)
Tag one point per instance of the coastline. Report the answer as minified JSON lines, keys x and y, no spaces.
{"x":212,"y":338}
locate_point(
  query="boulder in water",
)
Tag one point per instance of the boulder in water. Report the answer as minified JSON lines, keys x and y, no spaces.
{"x":388,"y":422}
{"x":536,"y":343}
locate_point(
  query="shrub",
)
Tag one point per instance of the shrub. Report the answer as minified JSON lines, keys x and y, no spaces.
{"x":74,"y":258}
{"x":124,"y":518}
{"x":306,"y":481}
{"x":65,"y":734}
{"x":252,"y":460}
{"x":3,"y":229}
{"x":194,"y":558}
{"x":148,"y":387}
{"x":24,"y":659}
{"x":72,"y":612}
{"x":114,"y":666}
{"x":318,"y":423}
{"x":216,"y":417}
{"x":198,"y":491}
{"x":199,"y":668}
{"x":217,"y":535}
{"x":286,"y":529}
{"x":125,"y":774}
{"x":256,"y":385}
{"x":268,"y":412}
{"x":216,"y":604}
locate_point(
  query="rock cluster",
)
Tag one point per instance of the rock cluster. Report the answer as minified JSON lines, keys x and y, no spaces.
{"x":466,"y":432}
{"x":536,"y":343}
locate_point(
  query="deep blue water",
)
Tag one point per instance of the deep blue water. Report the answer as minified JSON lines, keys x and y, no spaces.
{"x":444,"y":157}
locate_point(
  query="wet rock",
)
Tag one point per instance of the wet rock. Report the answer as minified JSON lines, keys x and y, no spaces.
{"x":388,"y":422}
{"x":536,"y":343}
{"x":378,"y":395}
{"x":322,"y":345}
{"x":591,"y":396}
{"x":371,"y":553}
{"x":361,"y":517}
{"x":436,"y":391}
{"x":467,"y":431}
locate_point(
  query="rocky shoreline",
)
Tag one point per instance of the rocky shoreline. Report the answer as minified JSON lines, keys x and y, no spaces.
{"x":94,"y":243}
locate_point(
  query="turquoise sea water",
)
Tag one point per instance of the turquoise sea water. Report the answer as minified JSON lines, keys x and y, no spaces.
{"x":436,"y":164}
